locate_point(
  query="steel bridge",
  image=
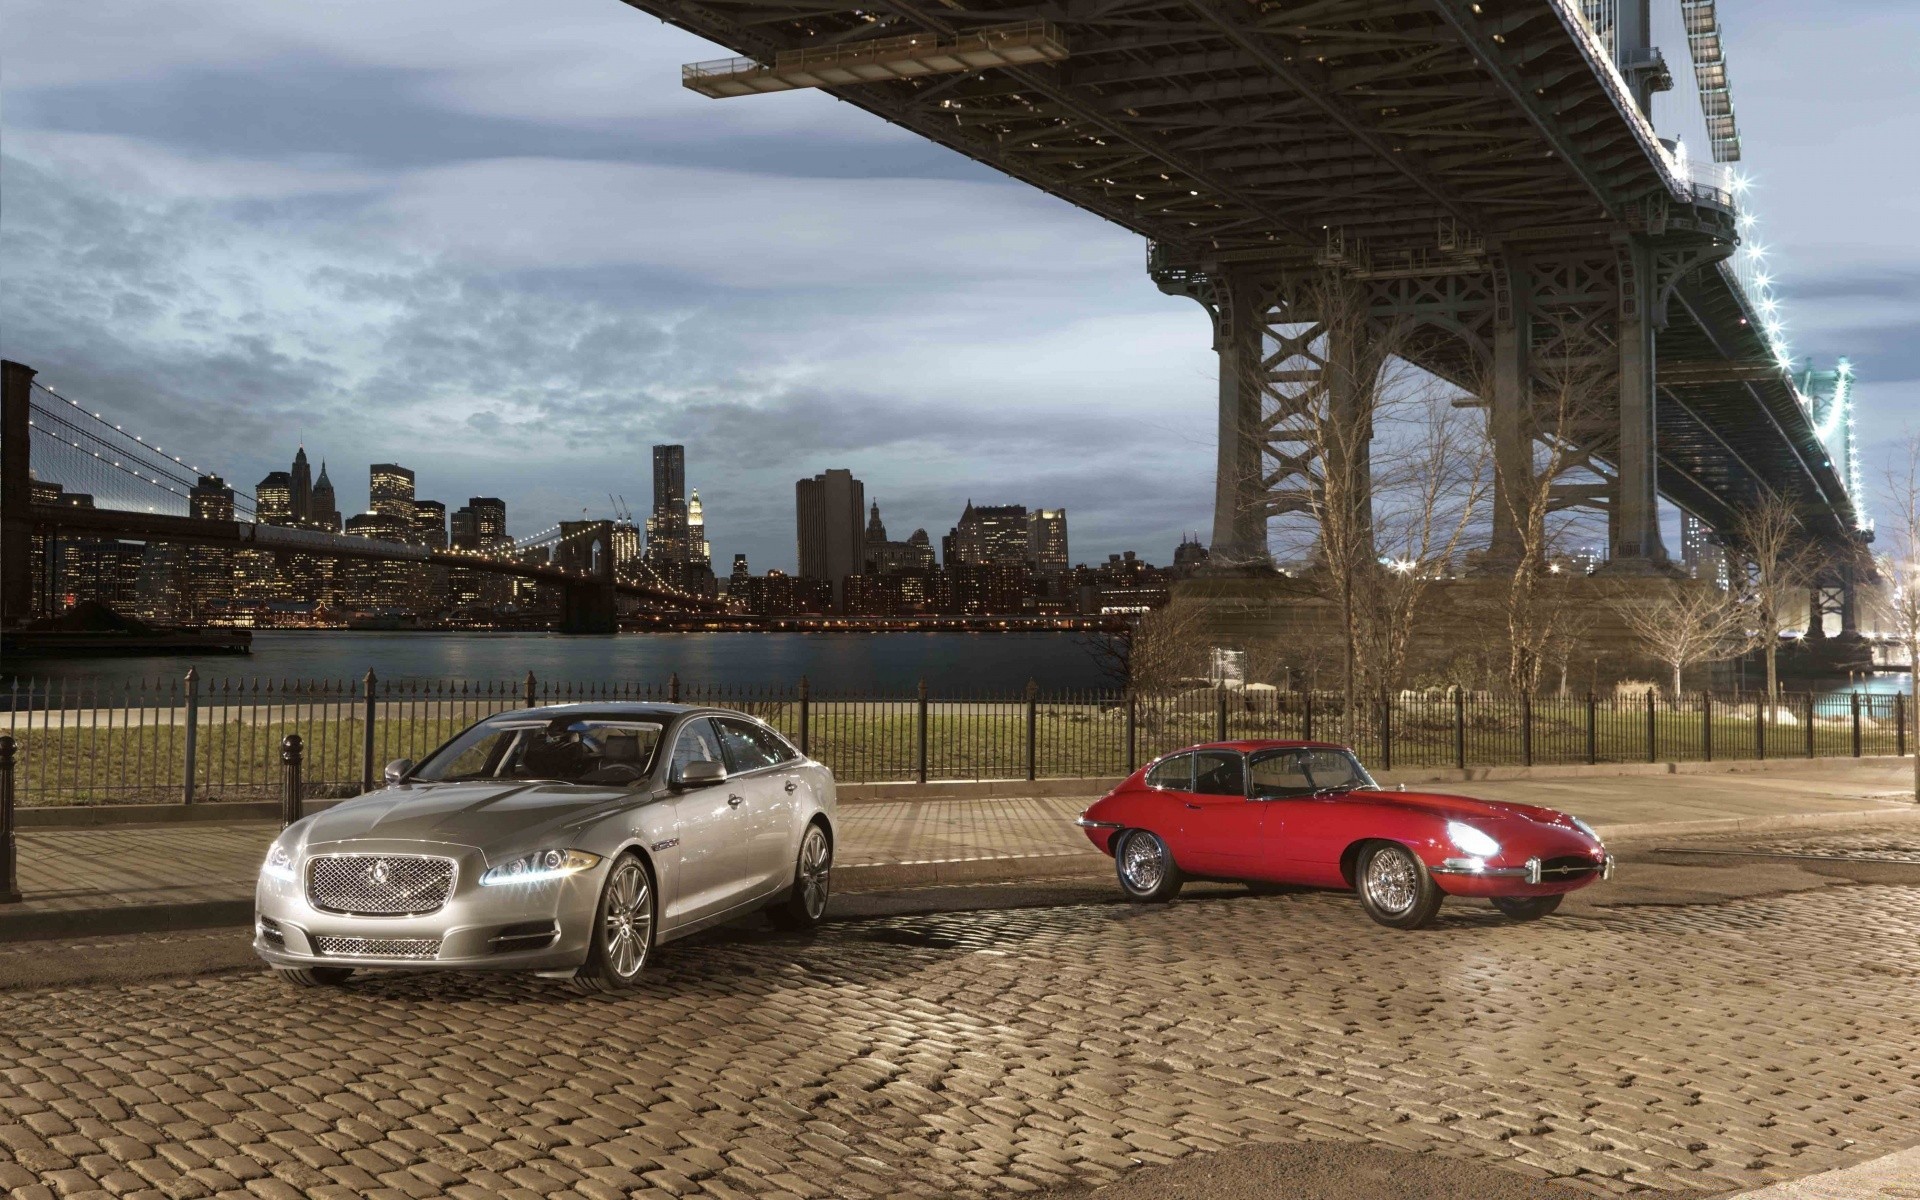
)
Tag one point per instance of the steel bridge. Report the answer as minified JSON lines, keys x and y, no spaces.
{"x":44,"y":436}
{"x":1481,"y":177}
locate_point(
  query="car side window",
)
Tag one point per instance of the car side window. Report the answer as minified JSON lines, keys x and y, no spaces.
{"x":1219,"y":773}
{"x":1281,"y":773}
{"x":696,"y":743}
{"x":748,"y":746}
{"x":1173,"y":774}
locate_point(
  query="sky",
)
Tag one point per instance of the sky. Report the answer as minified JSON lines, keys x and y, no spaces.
{"x":499,"y":243}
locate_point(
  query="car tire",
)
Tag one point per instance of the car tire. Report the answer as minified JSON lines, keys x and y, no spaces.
{"x":623,"y":928}
{"x":1395,"y":888}
{"x":307,"y":977}
{"x":806,"y":902}
{"x":1148,"y":874}
{"x":1526,"y":908}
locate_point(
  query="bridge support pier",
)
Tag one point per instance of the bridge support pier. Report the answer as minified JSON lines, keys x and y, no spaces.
{"x":1509,"y":412}
{"x":1239,"y":505}
{"x":1634,"y":512}
{"x":588,"y":608}
{"x":16,"y":494}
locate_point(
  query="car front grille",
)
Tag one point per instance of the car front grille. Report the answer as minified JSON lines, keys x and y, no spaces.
{"x":1571,"y":866}
{"x":379,"y":885}
{"x":366,"y":947}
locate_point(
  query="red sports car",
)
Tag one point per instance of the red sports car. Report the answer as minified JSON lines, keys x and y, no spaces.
{"x":1308,"y":813}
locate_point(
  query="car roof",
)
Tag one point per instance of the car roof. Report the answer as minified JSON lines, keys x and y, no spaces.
{"x":1250,"y":745}
{"x":615,"y":709}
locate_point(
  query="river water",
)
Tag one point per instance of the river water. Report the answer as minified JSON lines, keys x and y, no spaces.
{"x":832,"y":662}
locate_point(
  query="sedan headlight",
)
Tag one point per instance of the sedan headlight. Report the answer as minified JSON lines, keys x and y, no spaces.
{"x":539,"y":866}
{"x":1472,"y":840}
{"x":279,"y":863}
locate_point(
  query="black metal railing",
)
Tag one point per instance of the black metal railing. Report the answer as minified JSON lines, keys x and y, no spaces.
{"x":192,"y":740}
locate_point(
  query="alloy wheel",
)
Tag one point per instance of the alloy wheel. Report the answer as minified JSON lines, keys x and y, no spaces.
{"x":628,"y":920}
{"x":816,"y":864}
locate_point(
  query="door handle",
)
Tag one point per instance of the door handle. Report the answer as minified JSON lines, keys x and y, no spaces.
{"x":792,"y":787}
{"x":735,"y":801}
{"x":1194,"y":807}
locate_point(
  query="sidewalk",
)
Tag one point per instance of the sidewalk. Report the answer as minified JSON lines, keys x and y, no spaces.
{"x":133,"y":879}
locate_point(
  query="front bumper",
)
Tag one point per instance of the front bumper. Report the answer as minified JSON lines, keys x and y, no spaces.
{"x":1100,"y":833}
{"x":1536,"y":876}
{"x":519,"y":927}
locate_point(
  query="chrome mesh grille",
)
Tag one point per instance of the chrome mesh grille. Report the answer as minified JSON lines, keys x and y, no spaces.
{"x":1568,"y":867}
{"x":379,"y":884}
{"x":366,"y":947}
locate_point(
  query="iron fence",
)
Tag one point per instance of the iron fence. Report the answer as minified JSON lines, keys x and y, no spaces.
{"x":190,"y":740}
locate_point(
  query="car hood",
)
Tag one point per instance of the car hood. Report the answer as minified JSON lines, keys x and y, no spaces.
{"x":467,"y":814}
{"x":1466,"y":807}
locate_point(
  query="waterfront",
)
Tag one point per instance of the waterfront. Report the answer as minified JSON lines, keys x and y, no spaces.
{"x":863,"y":662}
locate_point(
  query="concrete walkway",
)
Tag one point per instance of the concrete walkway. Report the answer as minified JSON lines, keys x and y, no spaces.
{"x":137,"y":878}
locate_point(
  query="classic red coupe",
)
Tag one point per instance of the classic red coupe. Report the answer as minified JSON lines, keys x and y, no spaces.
{"x":1308,"y":813}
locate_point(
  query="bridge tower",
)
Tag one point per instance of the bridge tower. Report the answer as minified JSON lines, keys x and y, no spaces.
{"x":16,"y":494}
{"x":587,"y":606}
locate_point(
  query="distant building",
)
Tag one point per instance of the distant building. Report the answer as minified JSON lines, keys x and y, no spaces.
{"x":1047,"y":541}
{"x":832,"y":539}
{"x":990,"y":533}
{"x":209,"y":569}
{"x":429,"y":524}
{"x":668,"y":550}
{"x":390,"y":492}
{"x":325,"y":510}
{"x":300,"y":489}
{"x":885,"y":557}
{"x":1125,"y":583}
{"x":273,"y":499}
{"x":1188,"y":556}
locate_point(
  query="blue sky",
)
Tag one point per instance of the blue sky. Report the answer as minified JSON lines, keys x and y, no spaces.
{"x":498,"y":242}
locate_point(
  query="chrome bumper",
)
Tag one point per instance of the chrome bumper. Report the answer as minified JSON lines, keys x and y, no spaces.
{"x":1534,"y":871}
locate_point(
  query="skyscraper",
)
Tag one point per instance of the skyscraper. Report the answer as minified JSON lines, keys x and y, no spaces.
{"x":989,"y":533}
{"x":1047,"y":541}
{"x":273,"y":499}
{"x":325,"y":513}
{"x":390,"y":492}
{"x":300,"y":495}
{"x":430,"y":524}
{"x":669,"y":477}
{"x":668,"y":549}
{"x":830,"y":508}
{"x":489,"y":522}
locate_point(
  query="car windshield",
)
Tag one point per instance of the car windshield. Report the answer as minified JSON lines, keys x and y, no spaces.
{"x":1276,"y":774}
{"x":585,"y":750}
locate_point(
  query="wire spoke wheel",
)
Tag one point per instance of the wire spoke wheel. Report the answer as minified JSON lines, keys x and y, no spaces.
{"x":1390,"y":883}
{"x":1395,"y":887}
{"x":1146,"y":868}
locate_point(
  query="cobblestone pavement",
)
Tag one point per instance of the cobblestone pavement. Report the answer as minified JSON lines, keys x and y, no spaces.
{"x":1701,"y":1048}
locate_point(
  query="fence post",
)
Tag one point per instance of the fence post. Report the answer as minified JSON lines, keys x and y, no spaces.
{"x":366,"y":734}
{"x":1856,"y":724}
{"x":1761,"y":715}
{"x":1306,"y":729}
{"x":1033,"y":724}
{"x":1220,"y":710}
{"x":806,"y":713}
{"x":673,"y":688}
{"x":9,"y":852}
{"x":290,"y":796}
{"x":1526,"y":729}
{"x":532,"y":691}
{"x":1133,"y":722}
{"x":1809,"y":725}
{"x":1460,"y":727}
{"x":1652,"y":739}
{"x":1706,"y":726}
{"x":1386,"y":730}
{"x":1900,"y":724}
{"x":1593,"y":731}
{"x":920,"y":736}
{"x":193,"y":732}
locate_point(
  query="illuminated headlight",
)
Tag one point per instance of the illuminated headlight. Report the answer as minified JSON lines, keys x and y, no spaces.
{"x":1585,"y":828}
{"x":279,"y":864}
{"x":1471,"y":840}
{"x":539,"y":866}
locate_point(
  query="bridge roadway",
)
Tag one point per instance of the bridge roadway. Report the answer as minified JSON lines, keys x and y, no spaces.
{"x":1481,"y":174}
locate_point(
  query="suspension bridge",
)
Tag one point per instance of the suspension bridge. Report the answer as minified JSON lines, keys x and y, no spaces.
{"x":1483,"y":180}
{"x":142,"y":493}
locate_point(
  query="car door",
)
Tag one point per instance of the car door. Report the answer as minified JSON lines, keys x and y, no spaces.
{"x":1307,"y":827}
{"x":767,"y":772}
{"x":711,"y":870}
{"x":1220,"y":827}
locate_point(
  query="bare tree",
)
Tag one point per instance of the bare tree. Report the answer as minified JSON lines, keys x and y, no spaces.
{"x":1899,"y":532}
{"x":1686,"y":625}
{"x":1780,"y":563}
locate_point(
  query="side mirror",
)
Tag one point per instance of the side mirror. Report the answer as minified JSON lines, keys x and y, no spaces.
{"x":699,"y":774}
{"x":396,"y":771}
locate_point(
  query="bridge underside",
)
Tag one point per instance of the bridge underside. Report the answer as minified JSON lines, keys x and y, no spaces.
{"x":1470,"y":169}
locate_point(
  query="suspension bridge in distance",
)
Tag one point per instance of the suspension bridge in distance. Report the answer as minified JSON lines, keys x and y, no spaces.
{"x":44,"y":436}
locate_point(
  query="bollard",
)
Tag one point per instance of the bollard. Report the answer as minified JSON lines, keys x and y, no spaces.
{"x":920,"y":736}
{"x":1033,"y":725}
{"x":1133,"y":724}
{"x":193,"y":733}
{"x":806,"y":712}
{"x":532,"y":691}
{"x":9,"y":852}
{"x":290,"y":795}
{"x":366,"y":735}
{"x":673,"y":688}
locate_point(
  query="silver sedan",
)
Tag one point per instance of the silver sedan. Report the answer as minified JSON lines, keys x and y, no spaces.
{"x":568,"y":841}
